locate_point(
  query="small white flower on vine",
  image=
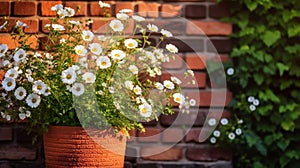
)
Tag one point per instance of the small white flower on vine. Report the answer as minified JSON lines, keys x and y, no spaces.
{"x":80,"y":50}
{"x":33,"y":100}
{"x":28,"y":113}
{"x":74,"y":22}
{"x":102,"y":38}
{"x":152,"y":28}
{"x":251,"y":99}
{"x":231,"y":136}
{"x":172,"y":48}
{"x":145,"y":110}
{"x":8,"y":84}
{"x":133,"y":69}
{"x":138,"y":18}
{"x":130,"y":43}
{"x":240,"y":121}
{"x":137,"y":90}
{"x":256,"y":102}
{"x":192,"y":102}
{"x":95,"y":48}
{"x":212,"y":122}
{"x":20,"y":93}
{"x":103,"y":62}
{"x":77,"y":89}
{"x":62,"y":41}
{"x":89,"y":77}
{"x":122,"y":16}
{"x":224,"y":121}
{"x":166,"y":33}
{"x":213,"y":140}
{"x":70,"y":11}
{"x":22,"y":116}
{"x":252,"y":107}
{"x":87,"y":35}
{"x":169,"y":85}
{"x":111,"y":89}
{"x":8,"y":117}
{"x":116,"y":25}
{"x":129,"y":85}
{"x":217,"y":133}
{"x":190,"y":72}
{"x":238,"y":131}
{"x":21,"y":24}
{"x":104,"y":5}
{"x":3,"y":49}
{"x":230,"y":71}
{"x":3,"y":25}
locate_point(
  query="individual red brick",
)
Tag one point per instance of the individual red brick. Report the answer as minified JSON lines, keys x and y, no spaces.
{"x":95,"y":9}
{"x":218,"y":98}
{"x":33,"y":25}
{"x":195,"y":11}
{"x":79,"y":7}
{"x":171,"y":10}
{"x":162,"y":154}
{"x":23,"y":8}
{"x":208,"y":28}
{"x":219,"y":45}
{"x":46,"y":8}
{"x":207,"y":153}
{"x":6,"y":134}
{"x":199,"y":78}
{"x":151,"y":135}
{"x":4,"y":8}
{"x":194,"y":118}
{"x":220,"y":10}
{"x":124,"y":5}
{"x":17,"y":153}
{"x":172,"y":135}
{"x":6,"y":38}
{"x":195,"y":61}
{"x":148,"y":9}
{"x":9,"y":26}
{"x":193,"y":135}
{"x":176,"y":63}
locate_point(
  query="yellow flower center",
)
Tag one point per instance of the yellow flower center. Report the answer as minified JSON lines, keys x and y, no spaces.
{"x":9,"y":83}
{"x":21,"y":93}
{"x":12,"y":75}
{"x":177,"y":99}
{"x":94,"y":49}
{"x":116,"y":26}
{"x":69,"y":76}
{"x":21,"y":56}
{"x":33,"y":100}
{"x":117,"y":55}
{"x":39,"y":87}
{"x":79,"y":51}
{"x":86,"y":36}
{"x":103,"y":63}
{"x":144,"y":110}
{"x":130,"y":44}
{"x":78,"y":89}
{"x":1,"y":51}
{"x":88,"y":79}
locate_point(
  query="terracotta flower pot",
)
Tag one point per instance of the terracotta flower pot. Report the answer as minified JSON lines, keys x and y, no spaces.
{"x":67,"y":146}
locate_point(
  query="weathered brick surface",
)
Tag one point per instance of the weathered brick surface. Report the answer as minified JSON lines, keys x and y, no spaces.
{"x":6,"y":38}
{"x":219,"y":45}
{"x":95,"y":9}
{"x":195,"y":11}
{"x":175,"y":63}
{"x":23,"y":8}
{"x":6,"y":134}
{"x":154,"y":153}
{"x":79,"y":7}
{"x":195,"y":118}
{"x":151,"y":135}
{"x":124,"y":5}
{"x":148,"y":9}
{"x":46,"y":7}
{"x":4,"y":8}
{"x":218,"y":11}
{"x":171,"y":10}
{"x":208,"y":28}
{"x":172,"y":135}
{"x":17,"y":153}
{"x":207,"y":154}
{"x":195,"y":61}
{"x":33,"y":25}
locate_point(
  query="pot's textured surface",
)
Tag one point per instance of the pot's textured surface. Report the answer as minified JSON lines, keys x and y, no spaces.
{"x":75,"y":147}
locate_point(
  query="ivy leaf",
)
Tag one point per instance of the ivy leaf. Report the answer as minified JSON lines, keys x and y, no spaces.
{"x":282,"y":68}
{"x":292,"y":49}
{"x":288,"y":125}
{"x":270,"y":37}
{"x":251,"y":5}
{"x":283,"y":144}
{"x":294,"y":30}
{"x":258,"y":78}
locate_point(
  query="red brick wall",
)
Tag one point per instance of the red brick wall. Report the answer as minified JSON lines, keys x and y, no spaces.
{"x":15,"y":146}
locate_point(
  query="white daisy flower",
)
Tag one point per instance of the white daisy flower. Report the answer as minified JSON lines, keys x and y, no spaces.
{"x":192,"y":102}
{"x":57,"y":7}
{"x":169,"y":85}
{"x":172,"y":48}
{"x":122,"y":16}
{"x":224,"y":121}
{"x":129,"y":85}
{"x":179,"y":98}
{"x":20,"y":93}
{"x":104,"y":5}
{"x":116,"y":25}
{"x":39,"y":87}
{"x":256,"y":102}
{"x":74,"y":22}
{"x":95,"y":48}
{"x":145,"y":110}
{"x":102,"y":38}
{"x":252,"y":107}
{"x":166,"y":33}
{"x":217,"y":133}
{"x":6,"y":63}
{"x":230,"y":71}
{"x":3,"y":50}
{"x":133,"y":69}
{"x":213,"y":140}
{"x":137,"y":90}
{"x":28,"y":113}
{"x":89,"y":77}
{"x":251,"y":99}
{"x":130,"y":43}
{"x":176,"y":80}
{"x":77,"y":89}
{"x":21,"y":24}
{"x":231,"y":136}
{"x":12,"y":73}
{"x":20,"y":55}
{"x":240,"y":121}
{"x":117,"y":54}
{"x":68,"y":76}
{"x":33,"y":100}
{"x":22,"y":116}
{"x":238,"y":131}
{"x":87,"y":35}
{"x":8,"y":84}
{"x":103,"y":62}
{"x":62,"y":13}
{"x":75,"y":67}
{"x":58,"y":27}
{"x":152,"y":28}
{"x":83,"y":63}
{"x":138,"y":18}
{"x":70,"y":11}
{"x":80,"y":50}
{"x":212,"y":122}
{"x":126,"y":11}
{"x":47,"y":92}
{"x":159,"y":86}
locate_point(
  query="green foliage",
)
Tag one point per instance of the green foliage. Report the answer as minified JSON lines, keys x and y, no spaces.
{"x":266,"y":59}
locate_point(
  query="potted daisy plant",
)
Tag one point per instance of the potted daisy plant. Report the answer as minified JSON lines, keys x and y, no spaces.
{"x":104,"y":80}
